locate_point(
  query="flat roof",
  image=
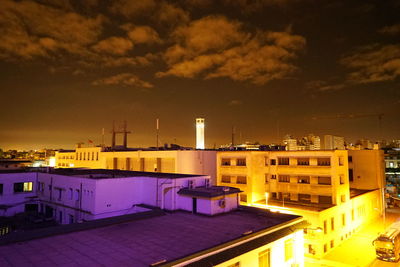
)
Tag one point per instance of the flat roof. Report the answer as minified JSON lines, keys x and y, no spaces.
{"x":209,"y":192}
{"x":142,"y":242}
{"x":102,"y":173}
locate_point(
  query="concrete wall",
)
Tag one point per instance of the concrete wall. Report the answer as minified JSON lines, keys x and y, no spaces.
{"x":368,"y":169}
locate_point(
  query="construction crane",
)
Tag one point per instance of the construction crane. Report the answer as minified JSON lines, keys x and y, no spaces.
{"x":355,"y":116}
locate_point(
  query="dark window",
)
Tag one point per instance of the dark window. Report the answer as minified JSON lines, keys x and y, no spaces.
{"x":1,"y":189}
{"x":350,"y":158}
{"x":243,"y":197}
{"x":325,"y":199}
{"x":303,"y":161}
{"x":325,"y":180}
{"x":225,"y":179}
{"x":284,"y":178}
{"x":273,"y":161}
{"x":283,"y":161}
{"x":351,"y":179}
{"x":324,"y":162}
{"x":273,"y":176}
{"x":241,"y":180}
{"x":304,"y":198}
{"x":241,"y":162}
{"x":225,"y":162}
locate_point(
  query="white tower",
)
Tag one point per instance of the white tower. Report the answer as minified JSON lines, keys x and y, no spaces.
{"x":199,"y":133}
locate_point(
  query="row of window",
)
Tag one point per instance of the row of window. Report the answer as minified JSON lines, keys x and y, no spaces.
{"x":280,"y":161}
{"x":238,"y":162}
{"x":230,"y":179}
{"x":20,"y":187}
{"x":73,"y":194}
{"x":65,"y":157}
{"x":301,"y":198}
{"x":87,"y":156}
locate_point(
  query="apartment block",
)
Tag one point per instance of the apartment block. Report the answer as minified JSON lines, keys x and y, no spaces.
{"x":318,"y":185}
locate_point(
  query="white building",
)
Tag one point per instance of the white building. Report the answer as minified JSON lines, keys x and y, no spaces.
{"x":332,"y":142}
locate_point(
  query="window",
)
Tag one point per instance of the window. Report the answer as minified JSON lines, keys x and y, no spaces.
{"x":70,"y":193}
{"x":284,"y":178}
{"x":324,"y":162}
{"x":71,"y":218}
{"x":273,"y":176}
{"x":243,"y":197}
{"x":1,"y":189}
{"x":241,"y":180}
{"x":332,"y":223}
{"x":264,"y":258}
{"x":325,"y":180}
{"x":283,"y":161}
{"x":304,"y":198}
{"x":303,"y":161}
{"x":325,"y":248}
{"x":343,"y":198}
{"x":225,"y":179}
{"x":343,"y":219}
{"x":80,"y":156}
{"x":23,"y":187}
{"x":58,"y":193}
{"x":77,"y":194}
{"x":288,"y":249}
{"x":303,"y":179}
{"x":325,"y":199}
{"x":351,"y":179}
{"x":266,"y":160}
{"x":311,"y":249}
{"x":92,"y":155}
{"x":97,"y":155}
{"x":236,"y":264}
{"x":325,"y":227}
{"x":241,"y":162}
{"x":350,"y":158}
{"x":273,"y":161}
{"x":84,"y":155}
{"x":332,"y":243}
{"x":341,"y":177}
{"x":225,"y":162}
{"x":266,"y":178}
{"x":341,"y":161}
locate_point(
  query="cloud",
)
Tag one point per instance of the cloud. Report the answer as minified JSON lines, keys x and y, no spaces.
{"x":123,"y":79}
{"x":251,"y":6}
{"x":235,"y":102}
{"x":142,"y":34}
{"x":129,"y":8}
{"x":33,"y":30}
{"x":114,"y":45}
{"x":217,"y":47}
{"x":391,"y":30}
{"x":323,"y":86}
{"x":375,"y":63}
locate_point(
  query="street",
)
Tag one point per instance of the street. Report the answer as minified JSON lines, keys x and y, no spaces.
{"x":358,"y":250}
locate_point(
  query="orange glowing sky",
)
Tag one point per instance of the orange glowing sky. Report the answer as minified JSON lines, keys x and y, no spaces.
{"x":68,"y":68}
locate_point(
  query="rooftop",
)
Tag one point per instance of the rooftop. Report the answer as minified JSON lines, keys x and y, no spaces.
{"x":213,"y":191}
{"x":143,"y":242}
{"x":101,"y":173}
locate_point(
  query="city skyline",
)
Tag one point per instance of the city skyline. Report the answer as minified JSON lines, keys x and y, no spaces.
{"x":270,"y":68}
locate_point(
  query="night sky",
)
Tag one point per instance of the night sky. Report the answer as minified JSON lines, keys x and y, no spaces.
{"x":268,"y":67}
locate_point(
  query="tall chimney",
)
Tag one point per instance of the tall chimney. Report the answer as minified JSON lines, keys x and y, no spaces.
{"x":200,"y":133}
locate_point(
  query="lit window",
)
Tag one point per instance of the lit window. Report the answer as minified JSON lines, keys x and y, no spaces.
{"x":303,"y":180}
{"x":288,"y":249}
{"x":324,"y":162}
{"x":264,"y":258}
{"x":23,"y":187}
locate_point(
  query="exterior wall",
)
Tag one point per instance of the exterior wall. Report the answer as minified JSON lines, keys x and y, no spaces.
{"x":16,"y":200}
{"x":277,"y":253}
{"x":260,"y":174}
{"x":167,"y":161}
{"x":368,"y":169}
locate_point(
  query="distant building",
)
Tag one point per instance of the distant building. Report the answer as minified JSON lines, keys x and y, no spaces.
{"x":11,"y":164}
{"x":336,"y":191}
{"x":332,"y":142}
{"x":309,"y":142}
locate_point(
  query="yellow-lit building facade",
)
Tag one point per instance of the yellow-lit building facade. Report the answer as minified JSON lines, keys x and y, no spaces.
{"x":166,"y":161}
{"x":336,"y":191}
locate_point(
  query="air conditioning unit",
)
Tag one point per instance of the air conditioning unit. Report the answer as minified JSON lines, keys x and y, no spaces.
{"x":221,"y":203}
{"x":207,"y":183}
{"x":190,"y":184}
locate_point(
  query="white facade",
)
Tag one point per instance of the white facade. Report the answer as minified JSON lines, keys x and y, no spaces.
{"x":200,"y":133}
{"x":332,"y":142}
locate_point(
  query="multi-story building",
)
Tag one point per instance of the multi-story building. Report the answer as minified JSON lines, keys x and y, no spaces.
{"x":336,"y":191}
{"x":332,"y":142}
{"x":309,"y":142}
{"x":165,"y":161}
